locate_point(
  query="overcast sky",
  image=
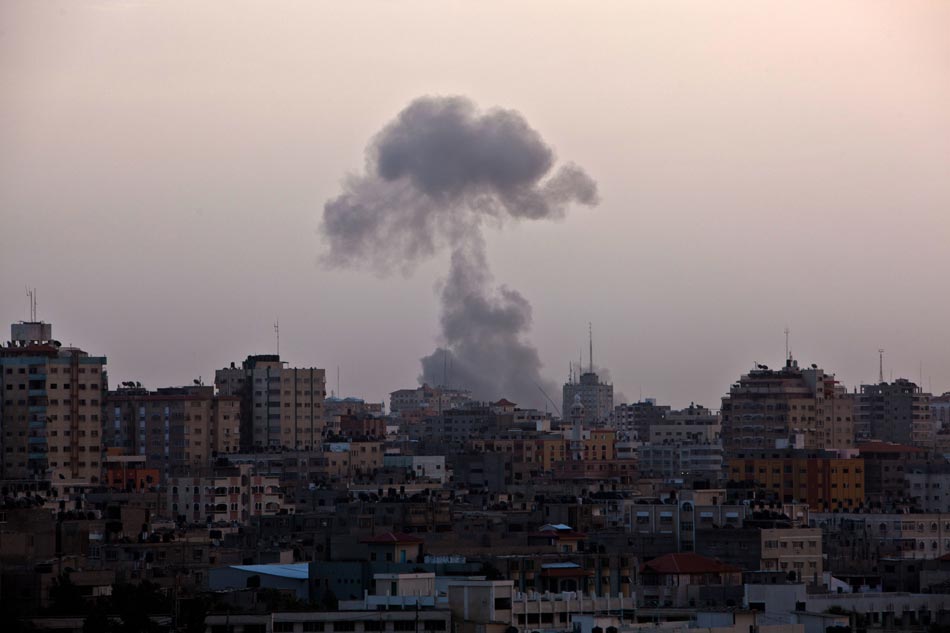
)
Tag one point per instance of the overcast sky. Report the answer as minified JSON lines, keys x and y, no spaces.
{"x":164,"y":166}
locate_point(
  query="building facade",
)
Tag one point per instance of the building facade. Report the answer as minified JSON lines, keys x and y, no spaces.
{"x":596,"y":396}
{"x":281,"y":407}
{"x":897,"y":412}
{"x":788,"y":407}
{"x":50,"y":409}
{"x":175,"y":429}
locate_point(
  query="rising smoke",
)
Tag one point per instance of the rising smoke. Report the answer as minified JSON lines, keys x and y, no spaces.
{"x":433,"y":177}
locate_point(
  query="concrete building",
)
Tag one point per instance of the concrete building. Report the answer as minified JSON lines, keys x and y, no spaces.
{"x":687,"y":580}
{"x":884,"y":467}
{"x":433,"y":400}
{"x":681,"y":459}
{"x":692,"y":424}
{"x":891,"y":535}
{"x":679,"y":520}
{"x":411,"y":621}
{"x":940,"y":410}
{"x":897,"y":412}
{"x":795,"y":551}
{"x":635,"y":419}
{"x":282,"y":407}
{"x":820,"y":479}
{"x":421,"y":466}
{"x":788,"y":407}
{"x":928,"y":486}
{"x":596,"y":396}
{"x":176,"y":428}
{"x":234,"y":494}
{"x":51,"y":400}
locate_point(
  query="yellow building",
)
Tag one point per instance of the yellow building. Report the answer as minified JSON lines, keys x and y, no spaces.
{"x":817,"y":479}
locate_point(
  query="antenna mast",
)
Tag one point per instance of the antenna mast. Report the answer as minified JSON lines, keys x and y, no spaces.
{"x":31,"y":296}
{"x":787,"y":355}
{"x":880,"y":371}
{"x":277,"y":332}
{"x":590,"y":335}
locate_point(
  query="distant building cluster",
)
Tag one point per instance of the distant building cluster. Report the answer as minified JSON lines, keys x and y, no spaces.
{"x":262,"y":504}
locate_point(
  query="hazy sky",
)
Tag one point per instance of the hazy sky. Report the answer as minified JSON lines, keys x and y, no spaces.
{"x":164,"y":165}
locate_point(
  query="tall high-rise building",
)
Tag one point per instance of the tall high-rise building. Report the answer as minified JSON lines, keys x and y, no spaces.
{"x":176,"y":429}
{"x":897,"y":412}
{"x":50,"y":408}
{"x":596,"y":396}
{"x":787,"y":407}
{"x":281,"y":407}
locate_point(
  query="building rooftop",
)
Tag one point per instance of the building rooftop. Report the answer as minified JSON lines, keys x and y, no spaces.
{"x":298,"y":571}
{"x":887,"y":447}
{"x":687,"y":563}
{"x":393,"y":538}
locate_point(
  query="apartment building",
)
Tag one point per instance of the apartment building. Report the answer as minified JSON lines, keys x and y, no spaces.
{"x":791,"y":406}
{"x":634,"y":420}
{"x":819,"y":478}
{"x":281,"y":407}
{"x":432,"y":400}
{"x":50,"y":408}
{"x":234,"y":494}
{"x":681,"y":459}
{"x":175,"y":428}
{"x":793,"y":550}
{"x":897,"y":412}
{"x":890,"y":535}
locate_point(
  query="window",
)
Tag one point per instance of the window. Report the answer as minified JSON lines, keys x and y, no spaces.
{"x":283,"y":627}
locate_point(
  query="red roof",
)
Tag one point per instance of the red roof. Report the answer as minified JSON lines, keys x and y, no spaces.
{"x":569,"y":535}
{"x":568,"y":572}
{"x":504,"y":403}
{"x":687,"y":563}
{"x":887,"y":447}
{"x":393,"y":538}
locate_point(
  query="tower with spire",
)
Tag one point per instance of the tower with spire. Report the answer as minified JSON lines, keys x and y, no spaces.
{"x":585,"y":388}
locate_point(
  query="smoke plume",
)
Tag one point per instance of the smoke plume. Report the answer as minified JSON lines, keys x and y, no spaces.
{"x":433,"y":177}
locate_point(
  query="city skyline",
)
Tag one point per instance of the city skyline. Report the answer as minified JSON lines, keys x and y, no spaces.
{"x":758,"y":168}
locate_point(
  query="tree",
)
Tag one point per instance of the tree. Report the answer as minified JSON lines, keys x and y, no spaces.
{"x":66,"y":599}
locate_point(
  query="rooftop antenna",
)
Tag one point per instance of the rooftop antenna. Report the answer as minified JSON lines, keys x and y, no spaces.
{"x":880,"y":370}
{"x":590,"y":335}
{"x":277,"y":332}
{"x":444,"y":367}
{"x":31,"y":296}
{"x":339,"y":394}
{"x":787,"y":353}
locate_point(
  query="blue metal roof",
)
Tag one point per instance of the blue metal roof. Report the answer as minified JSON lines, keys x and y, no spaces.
{"x":298,"y":571}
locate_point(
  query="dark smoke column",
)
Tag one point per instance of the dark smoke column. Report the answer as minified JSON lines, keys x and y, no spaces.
{"x":433,"y":177}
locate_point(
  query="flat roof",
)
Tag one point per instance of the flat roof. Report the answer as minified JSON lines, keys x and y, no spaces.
{"x":298,"y":571}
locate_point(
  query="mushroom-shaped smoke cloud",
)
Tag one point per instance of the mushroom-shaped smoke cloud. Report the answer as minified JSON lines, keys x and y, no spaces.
{"x":433,"y":176}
